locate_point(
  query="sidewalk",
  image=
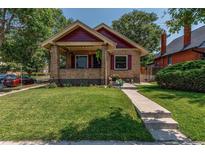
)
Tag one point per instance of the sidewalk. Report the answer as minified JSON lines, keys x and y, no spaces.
{"x":90,"y":142}
{"x":27,"y":88}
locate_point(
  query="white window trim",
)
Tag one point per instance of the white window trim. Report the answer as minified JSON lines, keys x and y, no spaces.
{"x":115,"y":62}
{"x":76,"y":61}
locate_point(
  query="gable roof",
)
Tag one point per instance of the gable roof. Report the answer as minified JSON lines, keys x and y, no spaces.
{"x":79,"y":35}
{"x":72,"y":27}
{"x":177,"y":45}
{"x":102,"y":25}
{"x":94,"y":32}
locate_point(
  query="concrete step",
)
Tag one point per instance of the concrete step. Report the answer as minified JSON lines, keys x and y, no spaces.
{"x":128,"y":86}
{"x":168,"y":135}
{"x":123,"y":87}
{"x":160,"y":123}
{"x":155,"y":114}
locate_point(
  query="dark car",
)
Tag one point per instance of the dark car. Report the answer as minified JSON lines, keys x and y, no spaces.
{"x":28,"y":80}
{"x":2,"y":77}
{"x":11,"y":80}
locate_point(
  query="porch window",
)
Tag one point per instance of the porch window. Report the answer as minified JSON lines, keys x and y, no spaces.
{"x":81,"y":61}
{"x":121,"y":62}
{"x":62,"y":61}
{"x":96,"y":62}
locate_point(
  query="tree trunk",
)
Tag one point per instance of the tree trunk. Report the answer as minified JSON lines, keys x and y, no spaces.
{"x":1,"y":39}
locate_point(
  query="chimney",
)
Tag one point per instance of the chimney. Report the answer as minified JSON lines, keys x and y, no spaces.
{"x":163,"y":42}
{"x":187,"y":34}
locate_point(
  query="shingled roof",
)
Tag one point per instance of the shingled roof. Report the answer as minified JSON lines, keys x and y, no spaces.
{"x":177,"y":45}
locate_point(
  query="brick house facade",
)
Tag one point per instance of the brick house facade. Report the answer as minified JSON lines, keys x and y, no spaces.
{"x":189,"y":47}
{"x":73,"y":55}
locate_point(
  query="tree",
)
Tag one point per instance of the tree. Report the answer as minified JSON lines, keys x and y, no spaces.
{"x":183,"y":16}
{"x":140,"y":27}
{"x":21,"y":43}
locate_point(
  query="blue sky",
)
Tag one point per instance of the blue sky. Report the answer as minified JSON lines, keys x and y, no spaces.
{"x":93,"y":17}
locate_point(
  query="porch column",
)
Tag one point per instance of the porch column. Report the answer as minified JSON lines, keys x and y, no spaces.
{"x":104,"y":73}
{"x":54,"y":62}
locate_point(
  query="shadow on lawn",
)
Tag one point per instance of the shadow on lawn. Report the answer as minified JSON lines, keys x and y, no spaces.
{"x":192,"y":97}
{"x":116,"y":126}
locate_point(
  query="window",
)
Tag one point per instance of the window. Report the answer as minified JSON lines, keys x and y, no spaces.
{"x":96,"y":63}
{"x":121,"y":62}
{"x":203,"y":56}
{"x":169,"y":60}
{"x":81,"y":61}
{"x":62,"y":61}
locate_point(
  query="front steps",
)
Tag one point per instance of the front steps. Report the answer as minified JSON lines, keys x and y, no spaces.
{"x":160,"y":123}
{"x":156,"y":119}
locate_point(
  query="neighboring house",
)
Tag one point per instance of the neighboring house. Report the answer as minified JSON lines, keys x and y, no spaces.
{"x":77,"y":45}
{"x":190,"y":46}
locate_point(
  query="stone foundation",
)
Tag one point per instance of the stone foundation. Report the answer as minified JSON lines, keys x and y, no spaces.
{"x":78,"y":82}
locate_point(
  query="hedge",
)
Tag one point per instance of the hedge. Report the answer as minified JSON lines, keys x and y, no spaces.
{"x":188,"y":76}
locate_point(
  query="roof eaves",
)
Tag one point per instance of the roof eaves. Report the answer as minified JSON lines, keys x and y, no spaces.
{"x":145,"y":51}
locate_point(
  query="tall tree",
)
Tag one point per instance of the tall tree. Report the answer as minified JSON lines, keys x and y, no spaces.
{"x":140,"y":27}
{"x":29,"y":27}
{"x":182,"y":16}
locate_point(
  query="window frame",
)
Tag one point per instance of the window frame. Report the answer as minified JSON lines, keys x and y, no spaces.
{"x":118,"y":69}
{"x":169,"y":58}
{"x":76,"y":61}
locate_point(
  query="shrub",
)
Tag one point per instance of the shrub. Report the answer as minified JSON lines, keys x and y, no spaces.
{"x":115,"y":77}
{"x":120,"y":82}
{"x":52,"y":85}
{"x":183,"y":76}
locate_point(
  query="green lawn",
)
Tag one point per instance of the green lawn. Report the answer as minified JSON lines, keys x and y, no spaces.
{"x":89,"y":113}
{"x":188,"y":108}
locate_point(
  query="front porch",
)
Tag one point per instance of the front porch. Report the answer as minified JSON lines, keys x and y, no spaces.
{"x":77,"y":64}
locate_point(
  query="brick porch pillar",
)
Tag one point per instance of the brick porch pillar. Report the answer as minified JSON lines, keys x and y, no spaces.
{"x":104,"y":65}
{"x":54,"y":62}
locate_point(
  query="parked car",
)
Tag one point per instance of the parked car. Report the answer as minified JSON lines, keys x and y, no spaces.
{"x":2,"y":77}
{"x":11,"y":80}
{"x":28,"y":80}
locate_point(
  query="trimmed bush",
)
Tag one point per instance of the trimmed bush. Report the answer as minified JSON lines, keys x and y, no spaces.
{"x":183,"y":76}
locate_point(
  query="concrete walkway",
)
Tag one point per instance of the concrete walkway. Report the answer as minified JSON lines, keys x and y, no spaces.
{"x":156,"y":119}
{"x":27,"y":88}
{"x":90,"y":142}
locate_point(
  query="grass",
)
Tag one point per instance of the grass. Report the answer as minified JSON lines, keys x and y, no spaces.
{"x":77,"y":113}
{"x":188,"y":108}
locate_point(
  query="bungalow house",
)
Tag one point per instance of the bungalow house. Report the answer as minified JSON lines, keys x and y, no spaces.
{"x":190,"y":46}
{"x":78,"y":44}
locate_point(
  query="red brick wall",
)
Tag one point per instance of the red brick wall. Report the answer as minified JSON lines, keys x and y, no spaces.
{"x":178,"y":57}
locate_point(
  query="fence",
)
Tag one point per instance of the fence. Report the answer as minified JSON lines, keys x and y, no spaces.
{"x":148,"y":73}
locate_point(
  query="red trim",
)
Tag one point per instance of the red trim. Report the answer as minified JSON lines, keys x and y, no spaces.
{"x":129,"y":62}
{"x":89,"y":61}
{"x":112,"y":62}
{"x":72,"y":61}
